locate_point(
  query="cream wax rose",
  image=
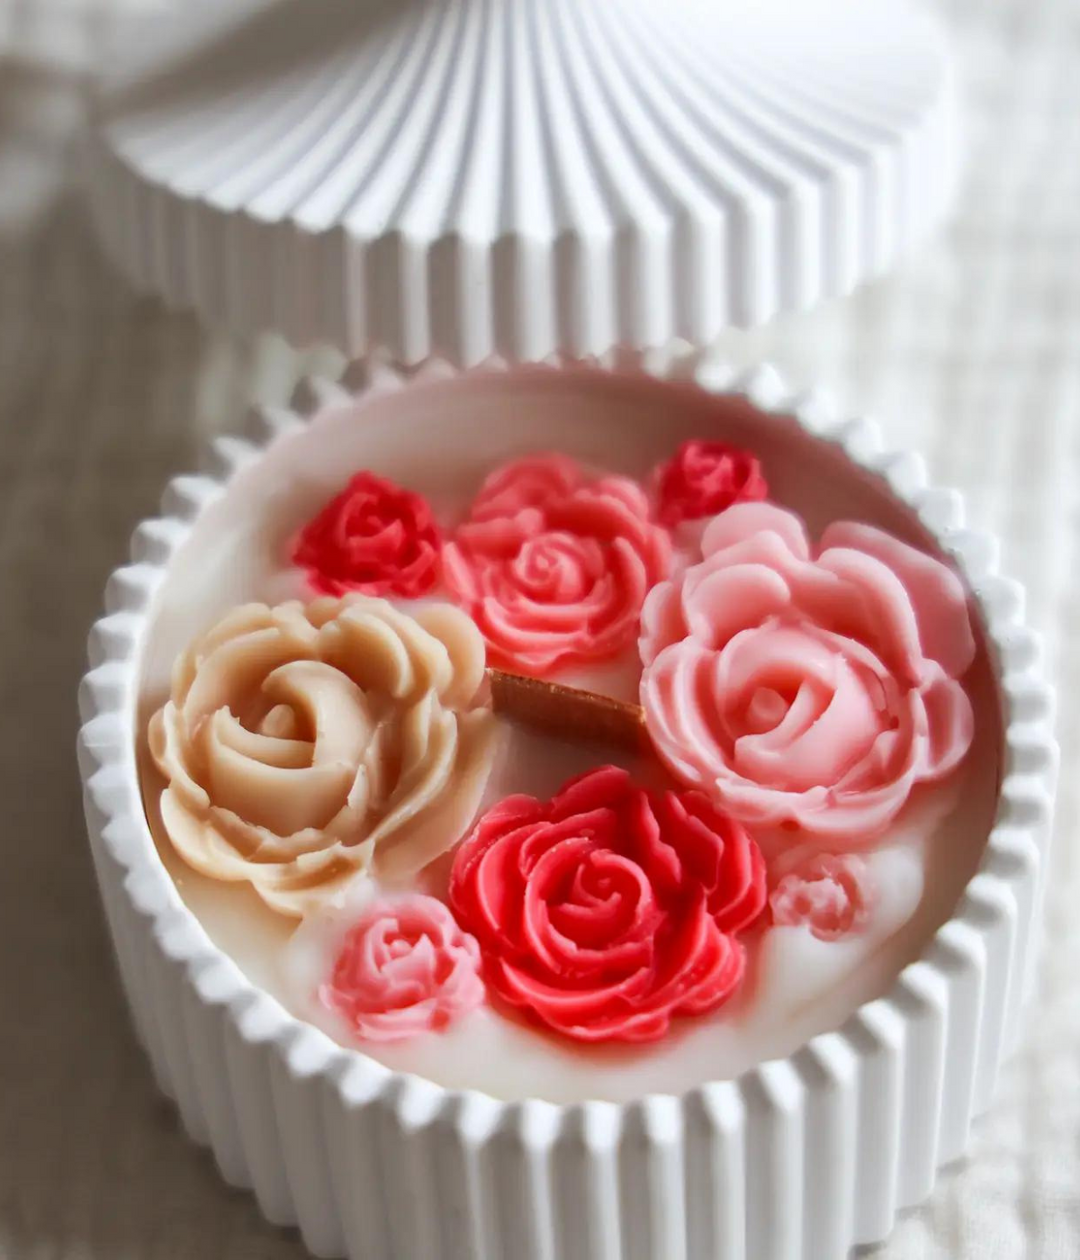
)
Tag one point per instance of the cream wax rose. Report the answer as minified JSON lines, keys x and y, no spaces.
{"x":304,"y":743}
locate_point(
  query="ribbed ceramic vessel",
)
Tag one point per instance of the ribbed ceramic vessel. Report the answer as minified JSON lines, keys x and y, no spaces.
{"x":798,"y":1159}
{"x":465,"y":178}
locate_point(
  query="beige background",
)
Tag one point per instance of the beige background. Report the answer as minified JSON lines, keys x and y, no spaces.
{"x":972,"y":355}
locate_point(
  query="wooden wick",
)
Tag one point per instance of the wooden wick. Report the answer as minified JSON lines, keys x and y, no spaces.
{"x":568,"y":712}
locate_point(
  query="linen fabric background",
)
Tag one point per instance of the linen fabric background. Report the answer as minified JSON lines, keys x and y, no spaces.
{"x":971,"y":355}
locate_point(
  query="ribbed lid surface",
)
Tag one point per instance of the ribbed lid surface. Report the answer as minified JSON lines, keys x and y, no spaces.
{"x":469,"y":177}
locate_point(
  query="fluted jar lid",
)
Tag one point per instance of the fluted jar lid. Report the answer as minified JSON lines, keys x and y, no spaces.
{"x":520,"y":177}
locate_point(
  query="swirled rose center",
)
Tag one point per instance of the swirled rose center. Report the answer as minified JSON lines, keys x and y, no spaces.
{"x":406,"y":961}
{"x":362,"y":521}
{"x":290,"y":757}
{"x":600,"y":899}
{"x":795,"y":707}
{"x":557,"y":568}
{"x":823,"y":901}
{"x":766,"y":710}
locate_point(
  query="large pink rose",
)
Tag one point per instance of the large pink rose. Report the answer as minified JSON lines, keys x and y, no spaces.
{"x":809,"y":687}
{"x":553,"y":565}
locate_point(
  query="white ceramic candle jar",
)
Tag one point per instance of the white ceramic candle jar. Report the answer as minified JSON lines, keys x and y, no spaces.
{"x":789,"y":1117}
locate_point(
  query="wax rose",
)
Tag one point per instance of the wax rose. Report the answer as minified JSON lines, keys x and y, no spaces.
{"x":808,"y":687}
{"x":609,"y":909}
{"x":375,"y":537}
{"x":404,"y":968}
{"x":302,"y":744}
{"x":703,"y":478}
{"x":829,"y":893}
{"x":554,"y":565}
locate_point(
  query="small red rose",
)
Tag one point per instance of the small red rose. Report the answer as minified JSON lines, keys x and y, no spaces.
{"x":375,"y":537}
{"x":704,"y":478}
{"x":609,"y":909}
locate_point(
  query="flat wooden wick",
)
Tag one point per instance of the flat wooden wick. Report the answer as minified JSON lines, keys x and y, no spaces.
{"x":568,"y":712}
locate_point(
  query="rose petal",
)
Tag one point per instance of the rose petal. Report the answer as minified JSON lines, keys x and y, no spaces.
{"x":869,"y":605}
{"x":729,"y":600}
{"x":662,"y":622}
{"x":936,"y":593}
{"x":950,"y":725}
{"x":747,"y":520}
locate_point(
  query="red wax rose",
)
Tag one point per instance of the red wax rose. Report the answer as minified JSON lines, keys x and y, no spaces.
{"x":609,"y":909}
{"x":703,"y":478}
{"x":375,"y":537}
{"x":553,"y":565}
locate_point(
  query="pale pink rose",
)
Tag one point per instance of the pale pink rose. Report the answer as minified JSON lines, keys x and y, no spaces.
{"x":808,"y":687}
{"x":405,"y":968}
{"x":831,"y":894}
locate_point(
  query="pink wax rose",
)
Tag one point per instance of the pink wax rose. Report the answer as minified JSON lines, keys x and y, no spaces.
{"x":553,"y":564}
{"x":830,"y":893}
{"x":405,"y":968}
{"x":808,"y":687}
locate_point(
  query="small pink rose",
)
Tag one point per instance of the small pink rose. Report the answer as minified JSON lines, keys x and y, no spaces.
{"x":405,"y":968}
{"x":808,"y":687}
{"x":831,"y":894}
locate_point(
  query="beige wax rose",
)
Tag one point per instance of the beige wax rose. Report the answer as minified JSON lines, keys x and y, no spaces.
{"x":304,"y":743}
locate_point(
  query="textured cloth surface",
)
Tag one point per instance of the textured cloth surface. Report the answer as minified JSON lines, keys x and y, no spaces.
{"x":971,"y":355}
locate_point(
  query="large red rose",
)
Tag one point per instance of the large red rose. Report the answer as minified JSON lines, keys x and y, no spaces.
{"x":703,"y":478}
{"x":554,"y":565}
{"x":609,"y":909}
{"x":375,"y":537}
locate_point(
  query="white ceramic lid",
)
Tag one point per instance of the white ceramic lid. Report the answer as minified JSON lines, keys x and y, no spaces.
{"x":520,"y":177}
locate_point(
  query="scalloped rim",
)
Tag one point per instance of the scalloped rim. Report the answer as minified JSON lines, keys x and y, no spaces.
{"x":920,"y":1061}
